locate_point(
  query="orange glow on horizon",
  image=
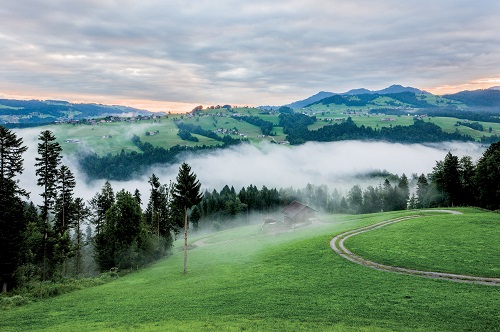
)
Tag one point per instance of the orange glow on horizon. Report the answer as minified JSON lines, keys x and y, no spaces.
{"x":483,"y":83}
{"x":142,"y":104}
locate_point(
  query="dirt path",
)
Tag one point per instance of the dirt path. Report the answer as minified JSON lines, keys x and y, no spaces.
{"x":337,"y":244}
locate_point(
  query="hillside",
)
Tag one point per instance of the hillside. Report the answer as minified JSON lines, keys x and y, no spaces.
{"x":114,"y":134}
{"x":393,"y":89}
{"x":489,"y":98}
{"x":252,"y":280}
{"x":47,"y":111}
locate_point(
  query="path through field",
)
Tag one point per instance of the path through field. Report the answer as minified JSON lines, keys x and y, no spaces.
{"x":337,"y":244}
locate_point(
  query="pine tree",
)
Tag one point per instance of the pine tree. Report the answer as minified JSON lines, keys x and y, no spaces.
{"x":47,"y":171}
{"x":452,"y":183}
{"x":467,"y":170}
{"x":402,"y":194}
{"x":186,"y":194}
{"x":100,"y":204}
{"x":487,"y":178}
{"x":11,"y":207}
{"x":64,"y":212}
{"x":81,"y":212}
{"x":422,"y":191}
{"x":157,"y":214}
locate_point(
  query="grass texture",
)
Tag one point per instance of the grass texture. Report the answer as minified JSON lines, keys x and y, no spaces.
{"x":247,"y":280}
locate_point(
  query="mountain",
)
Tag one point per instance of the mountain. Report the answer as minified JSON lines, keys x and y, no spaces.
{"x":361,"y":91}
{"x":393,"y":89}
{"x":310,"y":100}
{"x":477,"y":98}
{"x":45,"y":111}
{"x":398,"y":89}
{"x":494,"y":88}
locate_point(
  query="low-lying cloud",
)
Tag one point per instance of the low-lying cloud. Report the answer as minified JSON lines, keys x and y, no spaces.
{"x":335,"y":164}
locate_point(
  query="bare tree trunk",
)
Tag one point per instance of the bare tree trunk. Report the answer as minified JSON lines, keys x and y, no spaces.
{"x":4,"y":287}
{"x":185,"y":238}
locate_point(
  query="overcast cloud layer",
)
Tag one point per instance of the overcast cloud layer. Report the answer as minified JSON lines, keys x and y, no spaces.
{"x":242,"y":52}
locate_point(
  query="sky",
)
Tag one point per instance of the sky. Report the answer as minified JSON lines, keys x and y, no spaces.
{"x":171,"y":55}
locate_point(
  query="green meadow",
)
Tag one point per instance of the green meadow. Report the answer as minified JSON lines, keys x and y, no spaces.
{"x":103,"y":137}
{"x":247,"y":280}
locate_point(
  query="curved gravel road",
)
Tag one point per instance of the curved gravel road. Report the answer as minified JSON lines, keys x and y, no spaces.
{"x":337,"y":244}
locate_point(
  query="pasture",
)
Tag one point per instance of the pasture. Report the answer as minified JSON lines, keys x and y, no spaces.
{"x":105,"y":137}
{"x":245,"y":279}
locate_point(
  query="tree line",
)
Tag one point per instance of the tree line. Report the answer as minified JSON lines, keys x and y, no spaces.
{"x":295,"y":126}
{"x":65,"y":236}
{"x":126,"y":165}
{"x":266,"y":127}
{"x":453,"y":182}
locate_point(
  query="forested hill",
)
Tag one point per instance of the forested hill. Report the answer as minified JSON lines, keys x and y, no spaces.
{"x":46,"y":111}
{"x":477,"y":98}
{"x":406,"y":97}
{"x":393,"y":89}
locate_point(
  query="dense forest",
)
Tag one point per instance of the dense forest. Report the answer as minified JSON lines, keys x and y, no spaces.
{"x":126,"y":165}
{"x":477,"y":98}
{"x":68,"y":237}
{"x":407,"y":97}
{"x":266,"y":127}
{"x":295,"y":126}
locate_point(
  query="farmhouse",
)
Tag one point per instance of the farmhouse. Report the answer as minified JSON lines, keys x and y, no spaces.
{"x":298,"y":213}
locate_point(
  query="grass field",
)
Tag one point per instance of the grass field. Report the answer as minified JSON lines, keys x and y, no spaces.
{"x":104,"y":138}
{"x":245,"y":280}
{"x":465,"y":245}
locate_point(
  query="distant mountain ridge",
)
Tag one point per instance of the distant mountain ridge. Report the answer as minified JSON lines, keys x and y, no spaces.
{"x":478,"y":98}
{"x":396,"y":88}
{"x":44,"y":111}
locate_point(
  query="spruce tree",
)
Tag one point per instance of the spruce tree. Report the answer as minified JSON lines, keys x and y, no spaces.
{"x":65,"y":215}
{"x":422,"y":191}
{"x":186,"y":194}
{"x":81,"y":213}
{"x":157,"y":215}
{"x":100,"y":204}
{"x":487,"y":178}
{"x":11,"y":207}
{"x":48,"y":161}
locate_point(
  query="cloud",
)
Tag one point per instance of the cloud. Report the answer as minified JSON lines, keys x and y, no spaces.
{"x":334,"y":164}
{"x":238,"y":52}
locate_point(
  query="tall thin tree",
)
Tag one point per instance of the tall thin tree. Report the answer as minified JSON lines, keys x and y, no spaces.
{"x":186,"y":195}
{"x":65,"y":215}
{"x":48,"y":160}
{"x":11,"y":211}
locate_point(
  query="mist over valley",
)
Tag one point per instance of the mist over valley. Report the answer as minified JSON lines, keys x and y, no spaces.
{"x":337,"y":165}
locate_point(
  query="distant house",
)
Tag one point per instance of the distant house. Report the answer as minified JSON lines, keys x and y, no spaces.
{"x":298,"y":213}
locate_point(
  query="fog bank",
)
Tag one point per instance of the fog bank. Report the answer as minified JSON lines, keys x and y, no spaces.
{"x":333,"y":164}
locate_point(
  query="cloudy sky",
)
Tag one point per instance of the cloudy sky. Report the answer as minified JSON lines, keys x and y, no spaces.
{"x":173,"y":55}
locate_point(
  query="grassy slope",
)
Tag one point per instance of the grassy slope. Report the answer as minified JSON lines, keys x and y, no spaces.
{"x":465,"y":245}
{"x":246,"y":280}
{"x":91,"y":136}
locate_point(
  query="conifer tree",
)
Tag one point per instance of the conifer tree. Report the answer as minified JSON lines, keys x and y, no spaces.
{"x":48,"y":161}
{"x":11,"y":207}
{"x":422,"y":190}
{"x":81,"y":212}
{"x":487,"y":177}
{"x":100,"y":204}
{"x":186,"y":194}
